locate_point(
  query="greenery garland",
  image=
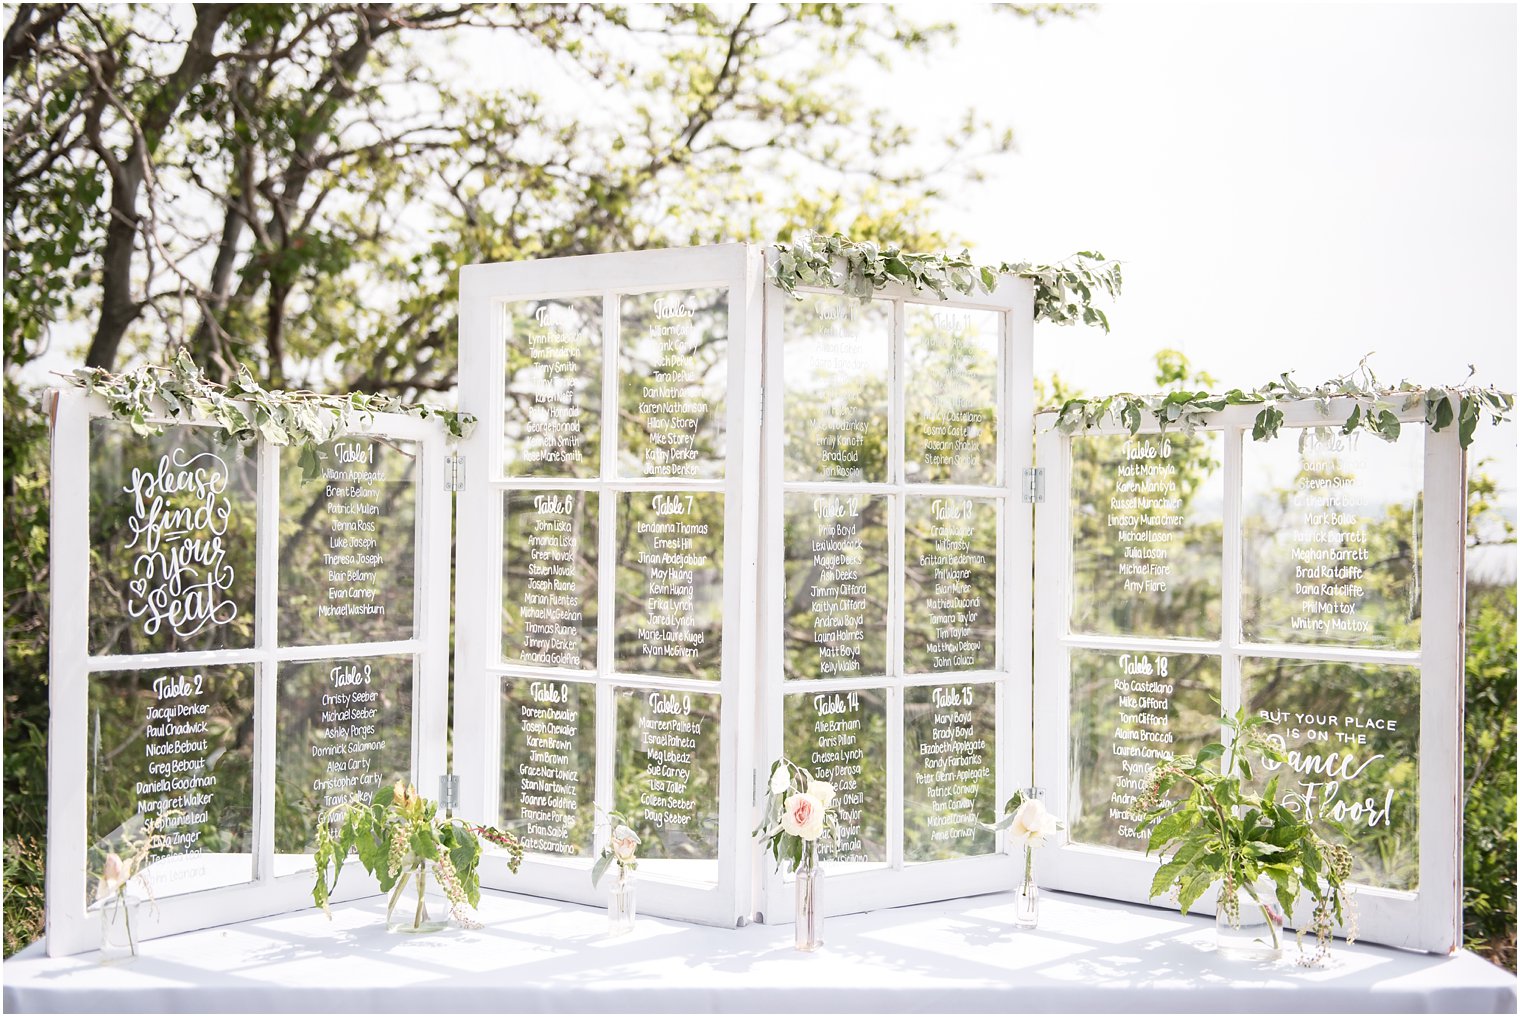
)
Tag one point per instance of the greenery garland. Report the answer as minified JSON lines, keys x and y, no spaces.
{"x":244,"y":410}
{"x":1063,"y":293}
{"x":1374,"y":408}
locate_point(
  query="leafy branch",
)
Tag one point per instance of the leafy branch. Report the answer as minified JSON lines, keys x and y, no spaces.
{"x":1374,"y":408}
{"x":1064,"y":293}
{"x":246,"y":411}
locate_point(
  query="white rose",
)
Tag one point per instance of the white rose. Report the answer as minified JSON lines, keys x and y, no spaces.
{"x":823,"y":791}
{"x":802,"y":816}
{"x":625,"y":844}
{"x":780,"y":779}
{"x":1032,"y":824}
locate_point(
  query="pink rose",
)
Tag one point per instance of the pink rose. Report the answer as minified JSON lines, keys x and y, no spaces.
{"x":625,"y":844}
{"x":802,"y":816}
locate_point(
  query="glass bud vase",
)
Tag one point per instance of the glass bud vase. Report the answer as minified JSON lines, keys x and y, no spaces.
{"x":621,"y":907}
{"x":809,"y":886}
{"x":1026,"y":900}
{"x":417,"y":903}
{"x":119,"y":927}
{"x":1249,"y":929}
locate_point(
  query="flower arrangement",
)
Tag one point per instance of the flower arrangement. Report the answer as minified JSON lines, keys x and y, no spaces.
{"x":1219,"y":830}
{"x":399,"y":837}
{"x":799,"y":811}
{"x":119,"y":870}
{"x":622,"y":848}
{"x":1027,"y":823}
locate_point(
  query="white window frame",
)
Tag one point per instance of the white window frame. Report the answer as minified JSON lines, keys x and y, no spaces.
{"x":897,"y":883}
{"x":479,"y":669}
{"x":71,"y":926}
{"x":1427,"y":919}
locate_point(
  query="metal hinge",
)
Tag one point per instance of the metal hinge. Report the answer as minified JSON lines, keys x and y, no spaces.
{"x":1034,"y":484}
{"x":448,"y":791}
{"x":453,"y":472}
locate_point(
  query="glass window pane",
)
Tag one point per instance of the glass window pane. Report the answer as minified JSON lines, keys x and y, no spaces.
{"x":549,"y":581}
{"x":343,"y":730}
{"x":952,"y":394}
{"x":670,"y":584}
{"x":551,"y":426}
{"x":667,"y":779}
{"x":835,"y":362}
{"x":548,"y":775}
{"x":951,"y":596}
{"x":949,"y":771}
{"x":673,"y":368}
{"x":173,"y":747}
{"x":841,"y":737}
{"x":1352,"y":736}
{"x":837,"y":585}
{"x":171,"y":540}
{"x":1332,"y":538}
{"x":1130,"y":711}
{"x":1147,"y":534}
{"x":348,"y":543}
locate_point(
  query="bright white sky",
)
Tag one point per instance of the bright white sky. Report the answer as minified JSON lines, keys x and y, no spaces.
{"x":1290,"y":187}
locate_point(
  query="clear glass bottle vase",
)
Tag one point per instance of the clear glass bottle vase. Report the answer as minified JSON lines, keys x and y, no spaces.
{"x":622,"y":908}
{"x":417,"y":903}
{"x":1250,"y":928}
{"x":809,"y":910}
{"x":119,"y":927}
{"x":1026,"y":900}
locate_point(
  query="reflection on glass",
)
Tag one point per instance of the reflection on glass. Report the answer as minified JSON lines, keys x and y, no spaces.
{"x":836,"y":585}
{"x":348,"y":542}
{"x":1146,"y":534}
{"x":173,"y":749}
{"x":548,"y":771}
{"x":1130,"y":711}
{"x":343,"y":730}
{"x":670,"y":584}
{"x":1332,"y":538}
{"x":551,"y":426}
{"x":951,"y":391}
{"x":666,"y":774}
{"x":548,"y":593}
{"x":673,"y":366}
{"x":1352,"y":737}
{"x":171,"y":540}
{"x":836,"y":357}
{"x":951,"y":600}
{"x":841,"y":737}
{"x":949,"y":771}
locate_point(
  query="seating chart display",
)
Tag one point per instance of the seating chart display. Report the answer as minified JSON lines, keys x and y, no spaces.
{"x":249,"y":654}
{"x":886,"y":669}
{"x":610,"y":506}
{"x":1332,"y":534}
{"x":348,"y":543}
{"x":1212,"y":572}
{"x":172,"y":763}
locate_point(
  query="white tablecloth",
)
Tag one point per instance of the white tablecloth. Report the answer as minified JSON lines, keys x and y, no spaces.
{"x":537,"y":956}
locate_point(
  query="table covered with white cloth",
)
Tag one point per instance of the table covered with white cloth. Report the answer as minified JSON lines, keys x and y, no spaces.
{"x":539,"y":956}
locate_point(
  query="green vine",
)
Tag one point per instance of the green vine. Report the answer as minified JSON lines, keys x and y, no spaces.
{"x":1063,"y":293}
{"x":244,"y":410}
{"x":1374,"y":408}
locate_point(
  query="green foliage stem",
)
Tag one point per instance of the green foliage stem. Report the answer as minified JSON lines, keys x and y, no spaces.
{"x":1374,"y":407}
{"x":246,"y":411}
{"x":1064,"y":293}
